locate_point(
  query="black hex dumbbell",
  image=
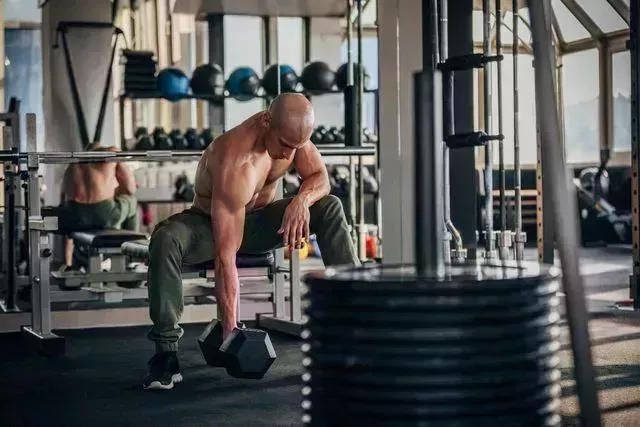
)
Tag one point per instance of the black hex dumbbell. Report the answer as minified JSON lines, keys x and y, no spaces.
{"x":246,"y":353}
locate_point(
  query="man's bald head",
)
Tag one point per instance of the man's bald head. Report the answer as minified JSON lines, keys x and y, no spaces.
{"x":293,"y":117}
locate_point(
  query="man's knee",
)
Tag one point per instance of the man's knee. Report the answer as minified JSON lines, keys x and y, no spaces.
{"x":165,"y":240}
{"x":329,"y":207}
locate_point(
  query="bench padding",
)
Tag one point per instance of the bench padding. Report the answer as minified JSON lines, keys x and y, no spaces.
{"x":104,"y":238}
{"x":139,"y":249}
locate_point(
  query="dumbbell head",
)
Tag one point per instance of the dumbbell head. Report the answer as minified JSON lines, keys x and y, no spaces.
{"x":210,"y":341}
{"x":248,"y":353}
{"x":330,"y":135}
{"x":194,"y":140}
{"x":179,"y":142}
{"x":141,"y":131}
{"x":161,"y":140}
{"x":207,"y":136}
{"x":144,"y":143}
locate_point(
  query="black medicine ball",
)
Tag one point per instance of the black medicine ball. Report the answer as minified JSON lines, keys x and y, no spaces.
{"x":208,"y":79}
{"x":341,"y":76}
{"x":318,"y":77}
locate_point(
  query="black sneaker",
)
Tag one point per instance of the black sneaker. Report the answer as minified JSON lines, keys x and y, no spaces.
{"x":164,"y":372}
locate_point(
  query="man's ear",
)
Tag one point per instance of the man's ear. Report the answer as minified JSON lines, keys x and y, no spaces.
{"x":266,"y":119}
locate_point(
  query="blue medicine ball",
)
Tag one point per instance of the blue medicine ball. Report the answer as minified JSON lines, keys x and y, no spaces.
{"x":243,"y":84}
{"x":172,"y":84}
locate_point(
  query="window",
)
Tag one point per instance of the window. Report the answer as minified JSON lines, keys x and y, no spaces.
{"x":242,"y":48}
{"x":581,"y":106}
{"x":291,"y":42}
{"x":605,"y":17}
{"x":621,"y":85}
{"x":478,"y":26}
{"x":23,"y":76}
{"x":527,"y":107}
{"x":20,"y":10}
{"x":569,"y":25}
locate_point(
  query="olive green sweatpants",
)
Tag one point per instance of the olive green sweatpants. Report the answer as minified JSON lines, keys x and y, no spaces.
{"x":186,"y":238}
{"x":121,"y":212}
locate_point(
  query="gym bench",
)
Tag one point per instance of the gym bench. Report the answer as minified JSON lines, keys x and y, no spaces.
{"x":91,"y":248}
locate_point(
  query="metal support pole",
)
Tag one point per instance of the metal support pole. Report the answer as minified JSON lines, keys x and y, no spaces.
{"x":428,"y":137}
{"x":362,"y":232}
{"x":634,"y":47}
{"x":11,"y":179}
{"x":520,"y":237}
{"x":490,"y":252}
{"x":40,"y":332}
{"x":504,"y":240}
{"x":451,"y":232}
{"x":563,"y":208}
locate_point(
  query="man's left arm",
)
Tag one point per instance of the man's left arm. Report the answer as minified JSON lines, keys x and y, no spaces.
{"x":315,"y":185}
{"x":313,"y":173}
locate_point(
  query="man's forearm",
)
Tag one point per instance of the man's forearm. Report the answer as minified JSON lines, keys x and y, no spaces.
{"x":314,"y":188}
{"x":227,"y":291}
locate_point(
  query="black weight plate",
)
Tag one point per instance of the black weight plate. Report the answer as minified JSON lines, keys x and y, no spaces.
{"x":338,"y":400}
{"x":474,"y":402}
{"x":360,"y":360}
{"x":420,"y":334}
{"x":469,"y":277}
{"x":452,"y":349}
{"x":407,"y":300}
{"x":327,"y":417}
{"x":510,"y":313}
{"x":398,"y":294}
{"x":448,"y":387}
{"x":350,"y":364}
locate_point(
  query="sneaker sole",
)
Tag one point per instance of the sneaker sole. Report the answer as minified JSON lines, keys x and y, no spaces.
{"x":157,"y":385}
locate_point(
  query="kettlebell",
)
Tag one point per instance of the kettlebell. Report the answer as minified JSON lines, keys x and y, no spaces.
{"x":179,"y":142}
{"x":161,"y":139}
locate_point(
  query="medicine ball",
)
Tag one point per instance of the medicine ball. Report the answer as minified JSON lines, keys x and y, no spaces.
{"x":243,"y":84}
{"x":172,"y":83}
{"x":288,"y":79}
{"x":318,"y":77}
{"x":208,"y":80}
{"x":341,"y":76}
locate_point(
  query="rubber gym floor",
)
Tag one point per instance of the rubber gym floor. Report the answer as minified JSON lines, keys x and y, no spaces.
{"x":97,"y":382}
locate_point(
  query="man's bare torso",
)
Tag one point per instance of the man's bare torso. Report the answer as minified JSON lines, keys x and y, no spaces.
{"x":90,"y":182}
{"x":234,"y":149}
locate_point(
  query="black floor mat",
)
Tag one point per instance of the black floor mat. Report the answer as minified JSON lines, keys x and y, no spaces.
{"x":98,"y":383}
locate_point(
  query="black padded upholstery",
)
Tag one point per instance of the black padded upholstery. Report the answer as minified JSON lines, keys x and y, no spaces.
{"x":104,"y":238}
{"x":139,"y":249}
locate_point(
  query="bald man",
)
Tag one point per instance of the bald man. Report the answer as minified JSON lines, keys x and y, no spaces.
{"x":235,"y":211}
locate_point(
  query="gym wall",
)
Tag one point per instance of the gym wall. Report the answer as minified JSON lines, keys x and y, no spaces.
{"x":90,"y":52}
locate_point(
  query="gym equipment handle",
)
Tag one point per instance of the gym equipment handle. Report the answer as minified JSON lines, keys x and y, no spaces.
{"x":470,"y":139}
{"x":468,"y":62}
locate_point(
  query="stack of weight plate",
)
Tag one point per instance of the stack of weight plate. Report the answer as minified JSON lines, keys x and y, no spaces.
{"x":475,"y":348}
{"x":139,"y":72}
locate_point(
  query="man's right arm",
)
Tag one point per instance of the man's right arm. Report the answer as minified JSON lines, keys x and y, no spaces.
{"x":126,"y":180}
{"x":232,"y":192}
